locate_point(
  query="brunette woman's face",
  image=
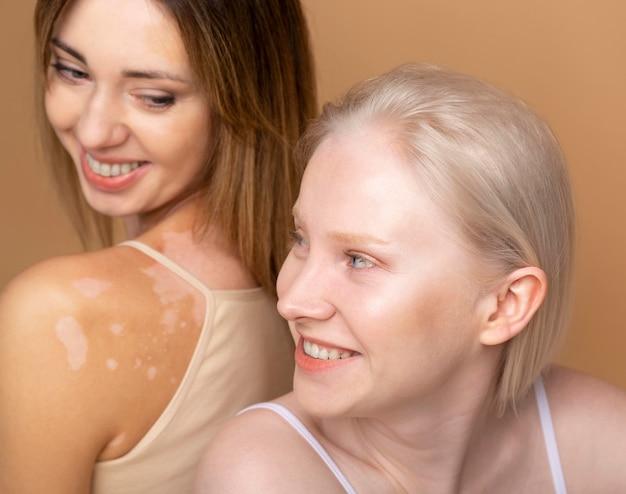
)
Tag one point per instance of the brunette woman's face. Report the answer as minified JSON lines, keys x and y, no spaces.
{"x":122,"y":100}
{"x":380,"y":293}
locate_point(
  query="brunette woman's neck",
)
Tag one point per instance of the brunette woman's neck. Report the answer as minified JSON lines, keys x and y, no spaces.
{"x":185,"y":211}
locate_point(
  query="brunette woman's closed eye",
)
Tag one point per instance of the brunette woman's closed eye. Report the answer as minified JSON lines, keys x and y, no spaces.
{"x":156,"y":102}
{"x":69,"y":74}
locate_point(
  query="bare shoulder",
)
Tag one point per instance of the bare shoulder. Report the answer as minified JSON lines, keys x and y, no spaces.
{"x":590,"y":421}
{"x":258,"y":451}
{"x":575,"y":396}
{"x":51,"y":393}
{"x":42,"y":342}
{"x":56,"y":290}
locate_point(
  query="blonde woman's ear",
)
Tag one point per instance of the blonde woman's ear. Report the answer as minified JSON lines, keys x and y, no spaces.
{"x":515,"y":303}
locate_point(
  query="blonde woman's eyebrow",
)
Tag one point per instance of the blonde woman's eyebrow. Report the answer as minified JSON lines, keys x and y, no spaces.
{"x":356,"y":238}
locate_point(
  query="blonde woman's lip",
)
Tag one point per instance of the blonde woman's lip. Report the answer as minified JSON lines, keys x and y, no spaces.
{"x":310,"y":357}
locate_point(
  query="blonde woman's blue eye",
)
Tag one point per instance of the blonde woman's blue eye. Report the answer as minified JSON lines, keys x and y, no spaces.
{"x":296,"y":238}
{"x":359,"y":262}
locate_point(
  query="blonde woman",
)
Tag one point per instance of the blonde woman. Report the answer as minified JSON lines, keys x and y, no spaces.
{"x":179,"y":117}
{"x":428,"y":286}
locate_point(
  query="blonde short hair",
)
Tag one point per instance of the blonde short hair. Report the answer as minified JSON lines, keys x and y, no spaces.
{"x":497,"y":168}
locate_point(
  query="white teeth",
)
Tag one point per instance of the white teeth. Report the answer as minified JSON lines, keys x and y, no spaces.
{"x":323,"y":353}
{"x":111,"y":170}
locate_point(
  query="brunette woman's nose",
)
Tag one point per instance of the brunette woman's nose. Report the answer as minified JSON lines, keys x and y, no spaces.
{"x":101,"y":123}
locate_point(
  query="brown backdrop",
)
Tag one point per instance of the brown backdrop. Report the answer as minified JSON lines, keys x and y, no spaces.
{"x":567,"y":58}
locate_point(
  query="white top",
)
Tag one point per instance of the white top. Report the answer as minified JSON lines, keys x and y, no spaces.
{"x":544,"y":414}
{"x":301,"y":429}
{"x":549,"y":437}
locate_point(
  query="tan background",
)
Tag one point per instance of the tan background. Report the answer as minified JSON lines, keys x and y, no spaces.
{"x":567,"y":58}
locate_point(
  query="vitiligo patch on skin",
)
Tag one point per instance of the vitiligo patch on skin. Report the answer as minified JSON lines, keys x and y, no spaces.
{"x":151,"y":373}
{"x":71,"y":335}
{"x":137,"y":363}
{"x":171,"y":290}
{"x":165,"y":285}
{"x":116,"y":329}
{"x":91,"y":287}
{"x":169,"y":320}
{"x":111,"y":364}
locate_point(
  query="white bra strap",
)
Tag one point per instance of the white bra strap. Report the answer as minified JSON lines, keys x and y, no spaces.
{"x":171,"y":265}
{"x":549,"y":437}
{"x":301,"y":429}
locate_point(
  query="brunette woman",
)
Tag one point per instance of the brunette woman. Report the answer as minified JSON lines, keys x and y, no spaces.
{"x":177,"y":117}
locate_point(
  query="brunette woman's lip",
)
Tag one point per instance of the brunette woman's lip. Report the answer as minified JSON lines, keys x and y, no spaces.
{"x":311,"y":364}
{"x":112,"y":183}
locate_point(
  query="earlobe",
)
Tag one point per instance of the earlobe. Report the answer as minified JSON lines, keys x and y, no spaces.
{"x":517,"y":300}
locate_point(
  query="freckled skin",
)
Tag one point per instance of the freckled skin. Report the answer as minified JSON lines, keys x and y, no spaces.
{"x":70,"y":334}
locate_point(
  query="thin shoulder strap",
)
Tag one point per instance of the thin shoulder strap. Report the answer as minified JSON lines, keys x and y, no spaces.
{"x":171,"y":265}
{"x":301,"y":429}
{"x":549,"y":437}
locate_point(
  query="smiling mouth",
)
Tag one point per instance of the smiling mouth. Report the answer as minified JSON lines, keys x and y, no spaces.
{"x":112,"y":169}
{"x":320,"y":352}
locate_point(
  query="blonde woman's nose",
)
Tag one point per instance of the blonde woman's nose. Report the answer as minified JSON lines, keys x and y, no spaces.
{"x":304,"y":293}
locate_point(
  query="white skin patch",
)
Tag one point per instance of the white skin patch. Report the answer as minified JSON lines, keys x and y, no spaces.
{"x":167,"y":288}
{"x":137,"y":363}
{"x":116,"y":329}
{"x":70,"y":333}
{"x":151,"y":373}
{"x":171,"y":290}
{"x":91,"y":287}
{"x":169,"y":320}
{"x":112,"y":364}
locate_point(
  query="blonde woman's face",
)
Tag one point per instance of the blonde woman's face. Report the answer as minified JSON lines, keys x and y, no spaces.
{"x":382,"y":300}
{"x":123,"y":102}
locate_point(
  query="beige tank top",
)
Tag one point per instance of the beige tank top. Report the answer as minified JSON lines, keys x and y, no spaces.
{"x":244,"y":355}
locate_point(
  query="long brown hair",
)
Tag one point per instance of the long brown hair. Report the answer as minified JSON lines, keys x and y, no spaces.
{"x":253,"y":60}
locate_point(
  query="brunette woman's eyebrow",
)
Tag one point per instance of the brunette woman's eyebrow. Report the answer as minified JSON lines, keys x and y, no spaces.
{"x":68,"y":49}
{"x":153,"y":74}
